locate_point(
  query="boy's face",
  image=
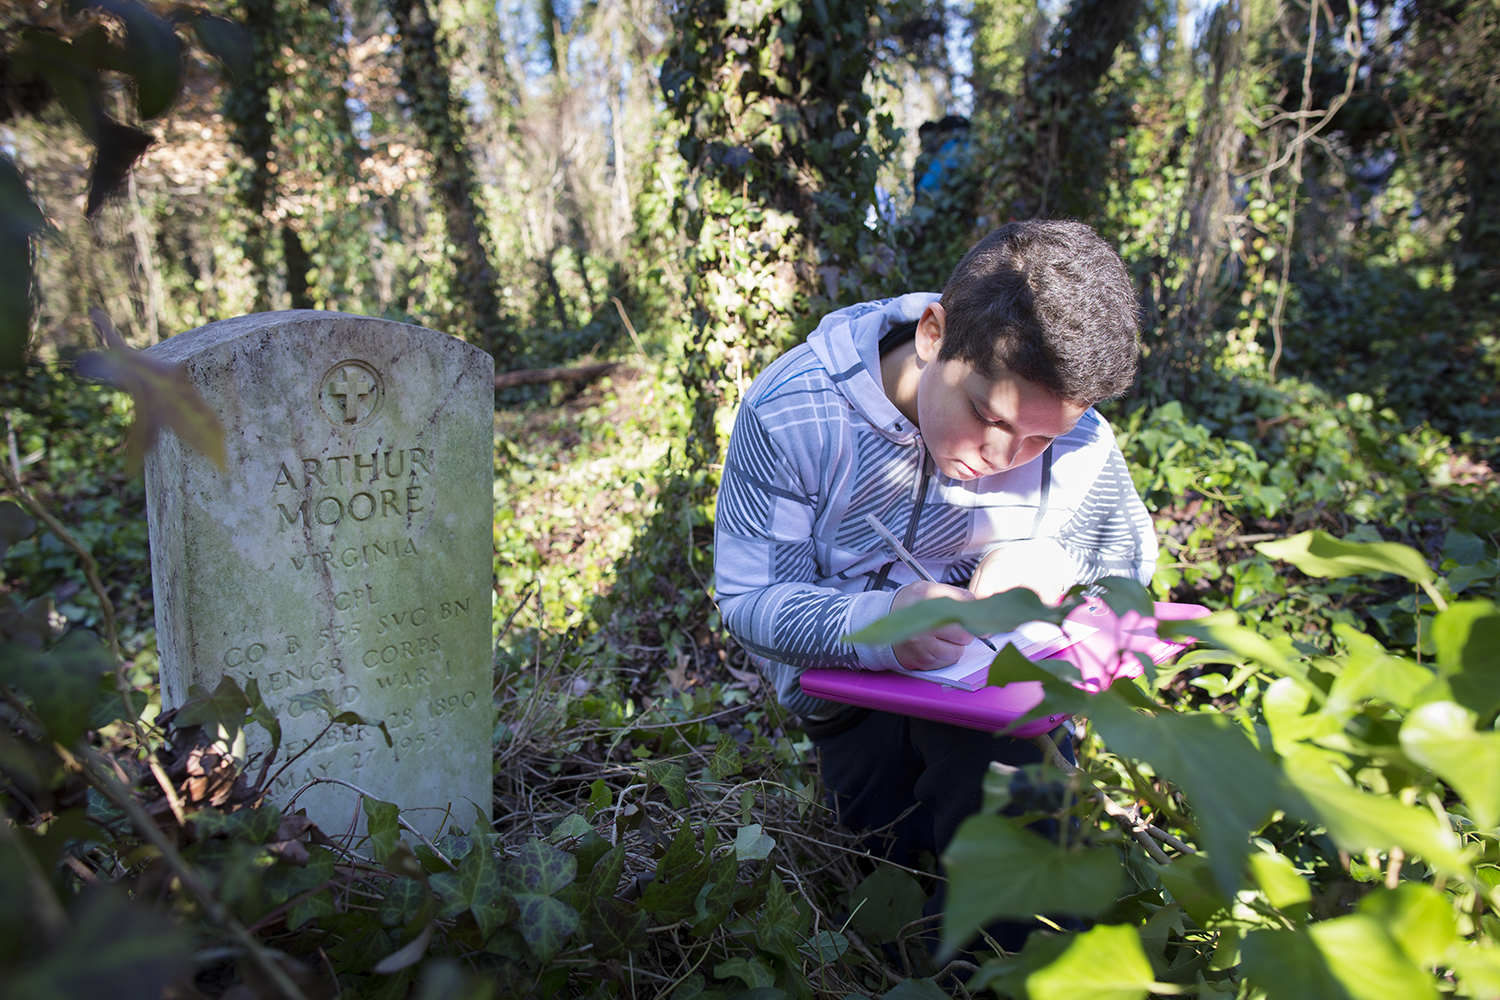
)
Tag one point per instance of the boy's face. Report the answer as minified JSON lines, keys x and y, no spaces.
{"x":975,"y":426}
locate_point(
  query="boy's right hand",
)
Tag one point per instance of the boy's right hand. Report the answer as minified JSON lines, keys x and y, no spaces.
{"x":939,"y":647}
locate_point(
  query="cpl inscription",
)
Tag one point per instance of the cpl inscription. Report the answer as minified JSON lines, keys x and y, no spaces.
{"x":351,"y":393}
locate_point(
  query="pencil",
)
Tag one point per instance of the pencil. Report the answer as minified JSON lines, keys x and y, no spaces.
{"x":908,"y":558}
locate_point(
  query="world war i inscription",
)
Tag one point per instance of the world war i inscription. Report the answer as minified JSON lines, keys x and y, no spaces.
{"x":346,"y":548}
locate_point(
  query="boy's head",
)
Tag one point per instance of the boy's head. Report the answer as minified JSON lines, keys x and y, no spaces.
{"x":1050,"y":302}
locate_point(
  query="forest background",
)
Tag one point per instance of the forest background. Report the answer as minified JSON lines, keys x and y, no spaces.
{"x":1309,"y":198}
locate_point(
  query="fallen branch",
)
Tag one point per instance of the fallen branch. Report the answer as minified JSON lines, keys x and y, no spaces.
{"x":538,"y":376}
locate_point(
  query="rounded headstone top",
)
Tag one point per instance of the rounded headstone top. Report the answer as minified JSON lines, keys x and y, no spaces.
{"x":322,"y":324}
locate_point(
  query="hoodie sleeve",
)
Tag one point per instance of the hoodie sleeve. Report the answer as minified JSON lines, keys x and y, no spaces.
{"x":765,"y":565}
{"x":1111,"y":533}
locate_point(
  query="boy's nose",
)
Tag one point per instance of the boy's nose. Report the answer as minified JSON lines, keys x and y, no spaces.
{"x":1000,"y":451}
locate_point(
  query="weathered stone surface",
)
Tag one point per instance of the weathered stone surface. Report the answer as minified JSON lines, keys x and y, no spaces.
{"x":347,"y":548}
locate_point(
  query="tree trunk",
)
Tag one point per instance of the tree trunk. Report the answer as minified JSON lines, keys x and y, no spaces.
{"x":424,"y":78}
{"x":248,"y":108}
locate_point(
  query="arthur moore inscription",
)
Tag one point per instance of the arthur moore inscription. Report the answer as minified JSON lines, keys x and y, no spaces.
{"x":346,"y":549}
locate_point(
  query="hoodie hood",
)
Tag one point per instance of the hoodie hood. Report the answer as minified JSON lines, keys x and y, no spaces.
{"x":847,"y":342}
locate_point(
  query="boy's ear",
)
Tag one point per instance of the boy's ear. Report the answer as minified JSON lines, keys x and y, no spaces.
{"x":930,"y":329}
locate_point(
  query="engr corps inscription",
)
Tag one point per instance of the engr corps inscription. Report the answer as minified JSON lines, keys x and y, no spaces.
{"x":333,"y":556}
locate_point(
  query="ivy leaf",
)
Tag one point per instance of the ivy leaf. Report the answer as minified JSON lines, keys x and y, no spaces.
{"x":540,"y":868}
{"x":153,"y":55}
{"x":227,"y":42}
{"x":545,"y":923}
{"x":751,"y":971}
{"x":781,"y":927}
{"x":164,"y":396}
{"x":403,"y":898}
{"x":1468,"y":645}
{"x":1123,"y":594}
{"x":605,"y":876}
{"x":61,"y":682}
{"x":255,"y":825}
{"x":752,"y":845}
{"x":383,"y":821}
{"x":725,"y":761}
{"x":600,"y":798}
{"x":226,"y":707}
{"x":714,"y":899}
{"x":1372,"y":672}
{"x":20,"y":219}
{"x":1318,"y":553}
{"x":115,"y":948}
{"x":318,"y":698}
{"x":1442,"y":736}
{"x":476,"y":887}
{"x":915,"y":989}
{"x":15,"y":525}
{"x":996,"y":869}
{"x":616,"y":928}
{"x":886,"y":901}
{"x":673,"y":780}
{"x":260,"y":713}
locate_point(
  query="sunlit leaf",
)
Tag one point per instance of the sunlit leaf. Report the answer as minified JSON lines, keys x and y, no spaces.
{"x":1442,"y":736}
{"x":1106,"y":963}
{"x":164,"y":396}
{"x":1359,"y":821}
{"x":1371,"y":672}
{"x":1283,"y":887}
{"x":226,"y":707}
{"x":1318,"y":553}
{"x":1368,"y":962}
{"x":998,"y":870}
{"x":1230,"y":786}
{"x":1287,"y":965}
{"x":1417,"y":917}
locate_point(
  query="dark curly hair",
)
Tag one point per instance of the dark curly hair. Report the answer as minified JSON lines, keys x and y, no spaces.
{"x":1051,"y":302}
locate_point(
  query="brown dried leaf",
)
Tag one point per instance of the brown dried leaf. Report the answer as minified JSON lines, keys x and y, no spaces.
{"x":164,"y":397}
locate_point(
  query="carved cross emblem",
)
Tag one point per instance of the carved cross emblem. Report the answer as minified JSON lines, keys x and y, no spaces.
{"x":352,"y":392}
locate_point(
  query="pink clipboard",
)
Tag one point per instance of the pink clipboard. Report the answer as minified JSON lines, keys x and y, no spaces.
{"x":1100,"y":657}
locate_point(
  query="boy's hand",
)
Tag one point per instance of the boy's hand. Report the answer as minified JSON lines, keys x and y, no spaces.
{"x":941,"y":646}
{"x":1038,"y":564}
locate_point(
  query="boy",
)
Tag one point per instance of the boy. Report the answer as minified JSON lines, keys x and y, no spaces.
{"x":964,"y":422}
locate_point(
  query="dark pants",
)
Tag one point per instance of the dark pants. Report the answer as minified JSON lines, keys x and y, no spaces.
{"x":912,"y":782}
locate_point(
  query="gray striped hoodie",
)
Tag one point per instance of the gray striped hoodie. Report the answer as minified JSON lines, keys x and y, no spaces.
{"x":817,"y":445}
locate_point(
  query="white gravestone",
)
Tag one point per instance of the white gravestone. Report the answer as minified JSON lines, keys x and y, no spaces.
{"x":348,"y":547}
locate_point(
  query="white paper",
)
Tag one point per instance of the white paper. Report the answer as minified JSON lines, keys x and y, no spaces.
{"x":1034,"y":640}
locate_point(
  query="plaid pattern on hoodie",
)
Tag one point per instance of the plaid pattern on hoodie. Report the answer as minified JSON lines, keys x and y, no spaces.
{"x":817,"y":445}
